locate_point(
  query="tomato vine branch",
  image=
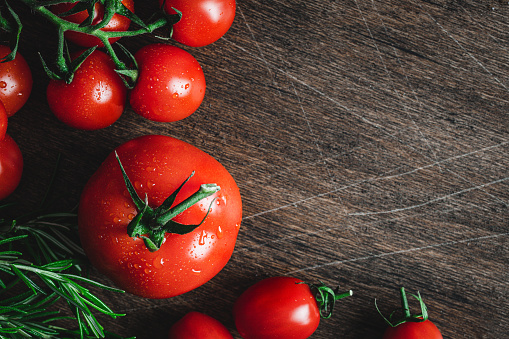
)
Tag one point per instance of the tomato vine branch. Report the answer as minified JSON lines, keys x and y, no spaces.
{"x":65,"y":66}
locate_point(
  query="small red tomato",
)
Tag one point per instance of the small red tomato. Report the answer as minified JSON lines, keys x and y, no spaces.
{"x":282,"y":307}
{"x":3,"y":121}
{"x":117,"y":23}
{"x":94,"y":99}
{"x":11,"y":166}
{"x":15,"y":82}
{"x":413,"y":330}
{"x":157,"y":166}
{"x":196,"y":325}
{"x":203,"y":21}
{"x":170,"y":84}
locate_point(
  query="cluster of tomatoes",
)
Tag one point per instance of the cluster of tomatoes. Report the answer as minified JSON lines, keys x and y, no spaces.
{"x":170,"y":84}
{"x":149,"y":184}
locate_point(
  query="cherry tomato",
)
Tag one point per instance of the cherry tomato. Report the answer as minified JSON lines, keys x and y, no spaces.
{"x":413,"y":330}
{"x":3,"y":121}
{"x":11,"y":166}
{"x":203,"y":21}
{"x":15,"y":82}
{"x":117,"y":23}
{"x":156,"y":165}
{"x":196,"y":325}
{"x":170,"y":85}
{"x":277,"y":307}
{"x":94,"y":99}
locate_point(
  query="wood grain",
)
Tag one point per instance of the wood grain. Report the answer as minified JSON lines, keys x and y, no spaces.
{"x":370,"y":142}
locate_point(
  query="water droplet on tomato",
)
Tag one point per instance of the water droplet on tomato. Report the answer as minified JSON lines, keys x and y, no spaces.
{"x":187,"y":86}
{"x":3,"y":84}
{"x":158,"y":262}
{"x":203,"y":236}
{"x":138,"y":185}
{"x":220,"y":233}
{"x":131,"y":216}
{"x":175,"y":95}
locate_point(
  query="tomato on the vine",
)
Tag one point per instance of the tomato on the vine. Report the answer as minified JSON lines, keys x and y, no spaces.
{"x":94,"y":99}
{"x":15,"y":81}
{"x":203,"y":21}
{"x":283,"y":307}
{"x":409,"y":326}
{"x":170,"y":84}
{"x":110,"y":216}
{"x":11,"y":166}
{"x":117,"y":22}
{"x":196,"y":325}
{"x":3,"y":121}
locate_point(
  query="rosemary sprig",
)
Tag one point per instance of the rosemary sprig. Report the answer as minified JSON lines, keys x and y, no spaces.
{"x":46,"y":279}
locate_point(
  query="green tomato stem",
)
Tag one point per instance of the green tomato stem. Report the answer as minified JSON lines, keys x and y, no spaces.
{"x":111,"y":7}
{"x":404,"y":303}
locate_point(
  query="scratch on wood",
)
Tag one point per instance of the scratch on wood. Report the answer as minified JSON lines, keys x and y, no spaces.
{"x":373,"y":179}
{"x":396,"y":210}
{"x":387,"y":254}
{"x":480,"y":64}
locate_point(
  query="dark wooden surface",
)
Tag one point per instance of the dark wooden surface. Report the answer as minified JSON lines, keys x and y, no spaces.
{"x":370,"y":142}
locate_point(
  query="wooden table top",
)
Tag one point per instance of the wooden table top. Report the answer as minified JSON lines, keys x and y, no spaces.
{"x":370,"y":143}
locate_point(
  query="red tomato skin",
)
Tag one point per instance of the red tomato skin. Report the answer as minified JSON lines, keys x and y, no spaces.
{"x":157,"y":165}
{"x":3,"y":121}
{"x":94,"y":99}
{"x":15,"y":82}
{"x":277,"y":307}
{"x":203,"y":21}
{"x":170,"y":86}
{"x":11,"y":166}
{"x":117,"y":23}
{"x":413,"y":330}
{"x":196,"y":325}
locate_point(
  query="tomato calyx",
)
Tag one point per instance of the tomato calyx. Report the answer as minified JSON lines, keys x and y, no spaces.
{"x":405,"y":309}
{"x":151,"y":224}
{"x":326,"y":298}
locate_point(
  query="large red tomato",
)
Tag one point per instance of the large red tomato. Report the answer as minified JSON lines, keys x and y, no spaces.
{"x":116,"y":23}
{"x":15,"y":81}
{"x":282,"y":307}
{"x":156,"y":166}
{"x":196,"y":325}
{"x":11,"y":166}
{"x":170,"y":84}
{"x":413,"y":330}
{"x":94,"y":99}
{"x":203,"y":21}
